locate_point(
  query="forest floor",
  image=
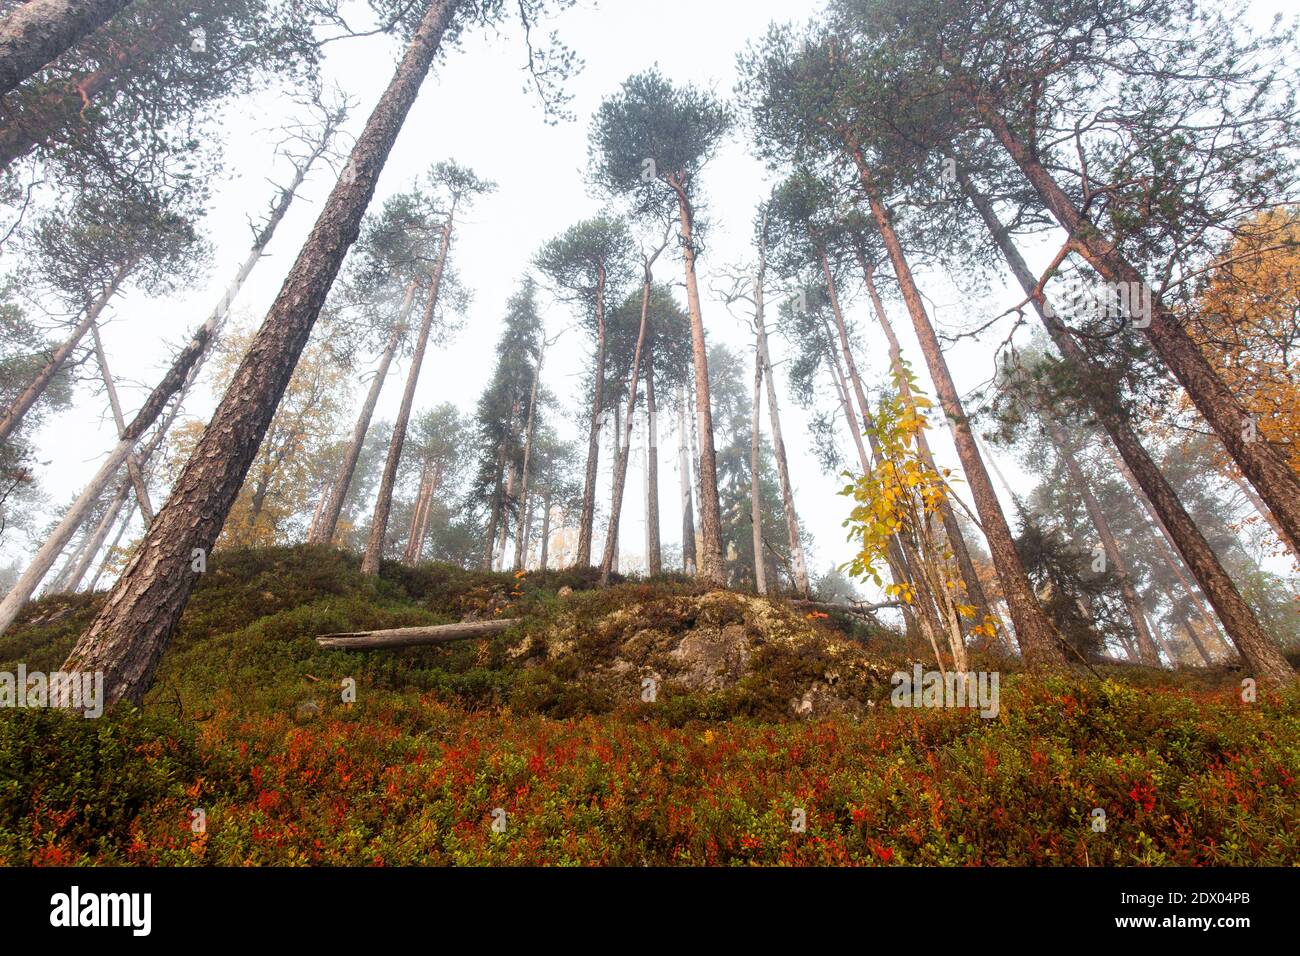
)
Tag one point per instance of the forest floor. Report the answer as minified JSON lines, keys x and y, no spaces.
{"x":770,"y":739}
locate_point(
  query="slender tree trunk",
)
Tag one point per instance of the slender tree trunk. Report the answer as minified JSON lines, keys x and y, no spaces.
{"x":951,"y":526}
{"x":1147,"y":651}
{"x":684,"y":477}
{"x":1262,"y":510}
{"x":64,"y":582}
{"x":529,"y":504}
{"x":623,"y":442}
{"x":412,"y":551}
{"x":499,"y":552}
{"x":71,"y":579}
{"x":618,"y":466}
{"x":435,"y":483}
{"x":1261,"y":654}
{"x":112,"y":546}
{"x":98,"y":537}
{"x":695,"y":468}
{"x":755,"y":486}
{"x":653,"y":548}
{"x":1277,"y":484}
{"x":39,"y":31}
{"x":324,"y":531}
{"x":1039,"y":644}
{"x":846,"y":401}
{"x":1169,"y":550}
{"x":520,"y":542}
{"x":712,"y":569}
{"x":1196,"y":641}
{"x":132,"y":461}
{"x":797,"y":559}
{"x":593,"y":433}
{"x":544,"y":556}
{"x":384,"y":503}
{"x":59,"y":583}
{"x":13,"y":416}
{"x":136,"y":622}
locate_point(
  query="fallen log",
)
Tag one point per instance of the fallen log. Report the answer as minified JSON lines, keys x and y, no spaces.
{"x":856,"y":608}
{"x":412,"y":636}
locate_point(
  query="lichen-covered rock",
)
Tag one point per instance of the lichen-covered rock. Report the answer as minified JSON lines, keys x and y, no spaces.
{"x":758,"y":653}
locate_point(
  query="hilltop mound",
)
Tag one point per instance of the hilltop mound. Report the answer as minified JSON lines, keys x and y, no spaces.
{"x":759,"y":710}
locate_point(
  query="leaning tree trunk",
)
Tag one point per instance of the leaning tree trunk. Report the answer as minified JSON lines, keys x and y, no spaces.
{"x":1262,"y":510}
{"x":182,"y":374}
{"x":684,"y":476}
{"x":1147,"y":651}
{"x":711,"y":568}
{"x":623,"y":444}
{"x":951,"y":527}
{"x":98,"y":537}
{"x":588,"y":516}
{"x":1277,"y":484}
{"x":39,"y":31}
{"x":653,"y":547}
{"x":755,"y":486}
{"x":120,"y":502}
{"x":133,"y":469}
{"x":1260,"y":653}
{"x":797,"y":559}
{"x":1196,"y":641}
{"x":13,"y":416}
{"x":520,"y":542}
{"x":127,"y":638}
{"x":1039,"y":643}
{"x":323,"y":532}
{"x":80,"y":557}
{"x":384,"y":503}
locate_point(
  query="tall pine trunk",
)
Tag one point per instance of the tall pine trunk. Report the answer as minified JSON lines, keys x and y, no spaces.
{"x":39,"y":31}
{"x":1039,"y":643}
{"x":1260,"y":653}
{"x":797,"y":560}
{"x":136,"y":622}
{"x":653,"y":547}
{"x":685,"y":479}
{"x":520,"y":538}
{"x":384,"y":503}
{"x":411,"y":552}
{"x":588,"y":516}
{"x":755,"y":487}
{"x":623,"y":441}
{"x":711,"y":568}
{"x":543,"y":559}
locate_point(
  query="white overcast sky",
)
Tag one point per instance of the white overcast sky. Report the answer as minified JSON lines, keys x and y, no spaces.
{"x":473,"y":108}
